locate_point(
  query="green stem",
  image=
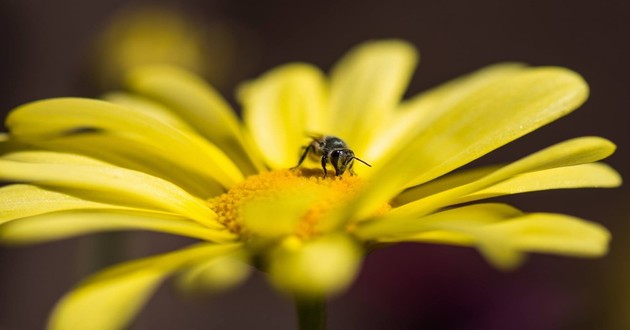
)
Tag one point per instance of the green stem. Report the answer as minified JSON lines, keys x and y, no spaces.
{"x":311,"y":313}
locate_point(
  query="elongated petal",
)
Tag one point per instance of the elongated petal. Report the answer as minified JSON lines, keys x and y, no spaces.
{"x":36,"y":156}
{"x":571,"y":152}
{"x":281,"y":109}
{"x":463,"y":217}
{"x":497,"y":114}
{"x":554,"y":233}
{"x":418,"y":113}
{"x":116,"y":150}
{"x":594,"y":175}
{"x":503,"y":243}
{"x":366,"y":86}
{"x":126,"y":186}
{"x":446,"y":182}
{"x":59,"y":225}
{"x":110,"y":299}
{"x":69,"y":114}
{"x":315,"y":268}
{"x":485,"y":120}
{"x":147,"y":107}
{"x":20,"y":201}
{"x":199,"y":104}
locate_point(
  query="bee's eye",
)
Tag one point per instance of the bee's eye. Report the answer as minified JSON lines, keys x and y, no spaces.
{"x":335,"y":156}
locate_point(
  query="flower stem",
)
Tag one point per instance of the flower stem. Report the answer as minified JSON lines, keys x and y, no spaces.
{"x":311,"y":313}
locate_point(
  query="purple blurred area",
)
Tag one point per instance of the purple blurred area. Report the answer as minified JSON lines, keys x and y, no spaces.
{"x":44,"y":53}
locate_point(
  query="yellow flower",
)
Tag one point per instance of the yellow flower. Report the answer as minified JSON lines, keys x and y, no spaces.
{"x":154,"y":34}
{"x":171,"y":156}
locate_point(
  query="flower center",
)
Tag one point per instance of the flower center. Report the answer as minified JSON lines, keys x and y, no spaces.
{"x":284,"y":202}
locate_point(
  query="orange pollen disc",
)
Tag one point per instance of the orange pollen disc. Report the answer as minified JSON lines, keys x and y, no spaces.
{"x":323,"y":196}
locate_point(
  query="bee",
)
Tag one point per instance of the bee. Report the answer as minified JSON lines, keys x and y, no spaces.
{"x":333,"y":149}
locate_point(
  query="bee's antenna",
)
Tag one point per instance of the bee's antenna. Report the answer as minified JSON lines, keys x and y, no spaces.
{"x":362,"y":161}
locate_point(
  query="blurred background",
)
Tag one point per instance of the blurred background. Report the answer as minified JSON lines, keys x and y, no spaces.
{"x":64,"y":48}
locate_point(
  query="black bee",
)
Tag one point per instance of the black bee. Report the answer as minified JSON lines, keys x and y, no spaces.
{"x":333,"y":149}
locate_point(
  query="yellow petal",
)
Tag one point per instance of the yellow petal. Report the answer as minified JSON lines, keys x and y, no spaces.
{"x":115,"y":149}
{"x":110,"y":299}
{"x":323,"y":266}
{"x":127,"y":187}
{"x":36,"y":156}
{"x":214,"y":276}
{"x":504,"y":242}
{"x":419,"y":112}
{"x":485,"y":120}
{"x":199,"y":104}
{"x":446,"y":182}
{"x":554,"y":233}
{"x":59,"y":225}
{"x":20,"y":201}
{"x":366,"y":86}
{"x":281,"y":109}
{"x":498,"y":114}
{"x":471,"y":216}
{"x":593,"y":175}
{"x":147,"y":107}
{"x":126,"y":152}
{"x":66,"y":115}
{"x":596,"y":175}
{"x":571,"y":152}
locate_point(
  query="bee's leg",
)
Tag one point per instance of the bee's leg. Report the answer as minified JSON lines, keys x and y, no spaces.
{"x":306,"y":151}
{"x":338,"y":172}
{"x":351,"y":169}
{"x":324,"y":161}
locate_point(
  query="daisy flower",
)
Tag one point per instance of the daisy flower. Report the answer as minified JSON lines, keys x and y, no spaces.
{"x":170,"y":155}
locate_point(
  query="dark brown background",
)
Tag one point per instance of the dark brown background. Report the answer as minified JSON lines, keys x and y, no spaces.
{"x":44,"y":45}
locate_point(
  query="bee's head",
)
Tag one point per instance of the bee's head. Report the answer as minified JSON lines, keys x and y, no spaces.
{"x":342,"y":160}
